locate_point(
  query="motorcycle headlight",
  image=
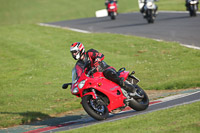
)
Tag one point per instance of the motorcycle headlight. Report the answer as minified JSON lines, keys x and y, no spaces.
{"x":75,"y":90}
{"x":112,"y":7}
{"x":81,"y":84}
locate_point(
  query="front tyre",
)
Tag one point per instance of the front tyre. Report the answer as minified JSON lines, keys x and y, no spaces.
{"x":95,"y":108}
{"x":193,"y":10}
{"x":150,"y":16}
{"x":112,"y":15}
{"x":139,"y":103}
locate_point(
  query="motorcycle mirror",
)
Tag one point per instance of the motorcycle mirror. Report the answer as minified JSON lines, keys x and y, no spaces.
{"x":65,"y":86}
{"x":133,"y":72}
{"x":121,"y":69}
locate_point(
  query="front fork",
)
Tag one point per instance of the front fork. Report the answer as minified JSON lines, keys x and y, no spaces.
{"x":92,"y":93}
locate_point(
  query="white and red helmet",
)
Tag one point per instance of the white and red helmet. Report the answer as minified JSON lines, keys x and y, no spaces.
{"x":77,"y":49}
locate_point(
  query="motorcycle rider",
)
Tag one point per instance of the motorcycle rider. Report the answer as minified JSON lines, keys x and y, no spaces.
{"x":142,"y":9}
{"x":187,"y":4}
{"x":107,"y":1}
{"x":96,"y":61}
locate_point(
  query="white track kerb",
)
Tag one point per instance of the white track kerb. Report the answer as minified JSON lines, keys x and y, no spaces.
{"x":73,"y":29}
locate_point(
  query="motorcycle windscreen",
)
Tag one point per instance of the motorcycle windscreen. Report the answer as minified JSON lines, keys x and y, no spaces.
{"x":76,"y":73}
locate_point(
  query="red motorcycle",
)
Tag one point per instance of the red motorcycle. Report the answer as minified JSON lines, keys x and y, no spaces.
{"x":112,"y":9}
{"x":101,"y":96}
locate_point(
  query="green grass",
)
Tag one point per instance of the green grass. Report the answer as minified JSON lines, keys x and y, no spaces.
{"x":180,"y":119}
{"x":173,"y":5}
{"x":35,"y":61}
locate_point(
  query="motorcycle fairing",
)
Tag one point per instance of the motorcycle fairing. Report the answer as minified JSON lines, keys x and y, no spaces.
{"x":124,"y":74}
{"x":193,"y":1}
{"x":103,"y":85}
{"x":112,"y":7}
{"x":98,"y":82}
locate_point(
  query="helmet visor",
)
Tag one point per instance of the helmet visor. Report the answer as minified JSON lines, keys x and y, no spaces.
{"x":75,"y":54}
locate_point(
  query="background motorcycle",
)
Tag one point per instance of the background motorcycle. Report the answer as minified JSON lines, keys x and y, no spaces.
{"x":100,"y":96}
{"x":112,"y":10}
{"x":193,"y":7}
{"x":150,"y":11}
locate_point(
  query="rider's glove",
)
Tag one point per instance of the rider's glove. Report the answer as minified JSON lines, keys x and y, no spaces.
{"x":87,"y":64}
{"x":93,"y":70}
{"x":96,"y":62}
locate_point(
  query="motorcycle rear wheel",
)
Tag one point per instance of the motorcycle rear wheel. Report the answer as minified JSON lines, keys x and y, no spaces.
{"x":97,"y":110}
{"x":139,"y":104}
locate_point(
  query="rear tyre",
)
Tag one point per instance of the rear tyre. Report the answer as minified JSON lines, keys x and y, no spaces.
{"x":139,"y":104}
{"x":95,"y":108}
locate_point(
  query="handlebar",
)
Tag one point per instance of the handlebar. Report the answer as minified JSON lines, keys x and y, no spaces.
{"x":91,"y":71}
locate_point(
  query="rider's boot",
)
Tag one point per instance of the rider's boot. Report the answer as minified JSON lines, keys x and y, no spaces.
{"x":127,"y":86}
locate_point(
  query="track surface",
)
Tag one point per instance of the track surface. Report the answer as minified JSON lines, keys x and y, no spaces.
{"x":168,"y":26}
{"x":157,"y":105}
{"x":162,"y":105}
{"x":82,"y":119}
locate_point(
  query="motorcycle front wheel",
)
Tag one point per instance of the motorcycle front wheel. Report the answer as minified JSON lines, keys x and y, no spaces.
{"x":140,"y":103}
{"x":150,"y":18}
{"x":95,"y":108}
{"x":112,"y":15}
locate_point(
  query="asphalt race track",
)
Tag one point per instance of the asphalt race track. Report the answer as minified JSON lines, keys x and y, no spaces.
{"x":168,"y":26}
{"x":194,"y":97}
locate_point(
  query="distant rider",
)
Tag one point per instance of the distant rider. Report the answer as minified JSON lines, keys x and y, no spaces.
{"x":142,"y":10}
{"x":187,"y":4}
{"x":108,"y":1}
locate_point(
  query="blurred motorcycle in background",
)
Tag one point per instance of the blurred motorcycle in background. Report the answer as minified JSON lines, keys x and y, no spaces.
{"x":112,"y":9}
{"x":192,"y":7}
{"x":149,"y":9}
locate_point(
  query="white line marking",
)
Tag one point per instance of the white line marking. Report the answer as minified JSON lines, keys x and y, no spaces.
{"x":78,"y":30}
{"x":190,"y":46}
{"x":55,"y":26}
{"x":166,"y":99}
{"x":185,"y":45}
